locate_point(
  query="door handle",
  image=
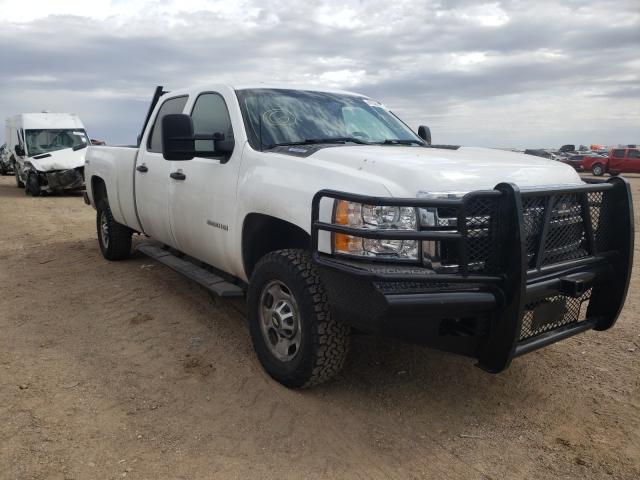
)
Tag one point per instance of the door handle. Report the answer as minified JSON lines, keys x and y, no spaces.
{"x":177,"y":175}
{"x":142,"y":168}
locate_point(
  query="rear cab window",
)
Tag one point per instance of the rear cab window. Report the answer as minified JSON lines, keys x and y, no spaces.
{"x":172,"y":105}
{"x":618,"y":153}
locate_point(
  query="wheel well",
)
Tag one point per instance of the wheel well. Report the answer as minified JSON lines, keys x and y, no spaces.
{"x":99,"y":189}
{"x":262,"y":234}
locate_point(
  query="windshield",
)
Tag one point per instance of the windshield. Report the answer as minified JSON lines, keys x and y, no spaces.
{"x":49,"y":140}
{"x":274,"y":116}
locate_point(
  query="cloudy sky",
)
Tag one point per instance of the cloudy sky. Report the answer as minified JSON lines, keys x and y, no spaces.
{"x":512,"y":73}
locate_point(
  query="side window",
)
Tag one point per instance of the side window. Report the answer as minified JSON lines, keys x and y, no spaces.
{"x":210,"y":115}
{"x":173,"y":105}
{"x":634,"y":153}
{"x":618,"y":153}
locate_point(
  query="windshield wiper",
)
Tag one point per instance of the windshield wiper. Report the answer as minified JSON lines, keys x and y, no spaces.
{"x":399,"y":141}
{"x":79,"y":147}
{"x":317,"y":141}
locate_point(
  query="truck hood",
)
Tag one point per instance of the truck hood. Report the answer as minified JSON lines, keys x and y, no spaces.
{"x":411,"y":171}
{"x":59,"y":160}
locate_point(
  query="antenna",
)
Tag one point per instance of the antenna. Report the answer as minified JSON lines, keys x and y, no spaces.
{"x":159,"y":91}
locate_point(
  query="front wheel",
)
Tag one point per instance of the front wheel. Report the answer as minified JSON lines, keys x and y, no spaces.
{"x":597,"y":169}
{"x":114,"y":238}
{"x":19,"y":183}
{"x":297,"y":340}
{"x":33,"y":186}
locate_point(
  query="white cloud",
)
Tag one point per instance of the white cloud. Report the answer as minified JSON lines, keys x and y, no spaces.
{"x":498,"y":73}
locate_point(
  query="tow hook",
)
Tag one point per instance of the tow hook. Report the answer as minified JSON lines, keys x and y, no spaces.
{"x":577,"y":284}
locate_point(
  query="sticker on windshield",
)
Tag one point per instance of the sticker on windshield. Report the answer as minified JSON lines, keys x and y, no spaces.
{"x":374,"y":103}
{"x":80,"y":134}
{"x":279,"y":117}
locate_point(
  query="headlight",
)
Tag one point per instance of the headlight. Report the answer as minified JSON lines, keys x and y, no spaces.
{"x":370,"y":217}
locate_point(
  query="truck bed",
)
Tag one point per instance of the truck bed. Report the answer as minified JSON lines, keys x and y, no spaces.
{"x":116,"y":166}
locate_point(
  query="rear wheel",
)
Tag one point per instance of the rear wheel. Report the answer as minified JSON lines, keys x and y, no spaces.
{"x":297,"y":340}
{"x":114,"y":238}
{"x":597,"y":169}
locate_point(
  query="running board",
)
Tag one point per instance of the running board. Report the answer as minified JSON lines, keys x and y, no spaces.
{"x":200,"y":275}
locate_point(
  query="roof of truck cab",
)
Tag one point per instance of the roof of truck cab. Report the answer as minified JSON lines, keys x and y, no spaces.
{"x":269,"y":86}
{"x":47,"y":120}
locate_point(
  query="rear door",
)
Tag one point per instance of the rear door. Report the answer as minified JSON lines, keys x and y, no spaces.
{"x":152,"y":177}
{"x":202,"y":202}
{"x":633,"y":160}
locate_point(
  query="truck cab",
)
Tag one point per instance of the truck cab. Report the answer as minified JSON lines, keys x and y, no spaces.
{"x":332,"y":215}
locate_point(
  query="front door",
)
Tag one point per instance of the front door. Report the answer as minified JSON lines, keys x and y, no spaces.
{"x":617,"y":161}
{"x":202,"y":198}
{"x":633,"y":158}
{"x":152,"y":177}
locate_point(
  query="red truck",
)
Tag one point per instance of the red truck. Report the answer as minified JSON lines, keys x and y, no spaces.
{"x":620,"y":160}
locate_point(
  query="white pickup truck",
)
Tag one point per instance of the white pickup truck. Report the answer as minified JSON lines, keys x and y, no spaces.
{"x":333,"y":216}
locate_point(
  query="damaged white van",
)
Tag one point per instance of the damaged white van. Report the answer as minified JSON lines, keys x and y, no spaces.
{"x":47,"y":151}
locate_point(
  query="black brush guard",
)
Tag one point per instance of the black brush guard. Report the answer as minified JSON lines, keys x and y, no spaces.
{"x":551,"y":263}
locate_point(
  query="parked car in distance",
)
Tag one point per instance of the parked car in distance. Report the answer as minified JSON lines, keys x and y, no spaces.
{"x":47,"y":151}
{"x":576,"y":160}
{"x":333,"y":215}
{"x":6,"y":167}
{"x":567,"y":148}
{"x":620,"y":160}
{"x":537,"y":152}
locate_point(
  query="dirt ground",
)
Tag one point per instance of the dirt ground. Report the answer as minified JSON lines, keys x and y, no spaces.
{"x":126,"y":369}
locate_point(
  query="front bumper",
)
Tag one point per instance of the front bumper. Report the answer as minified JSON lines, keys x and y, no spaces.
{"x":72,"y":179}
{"x":533,"y":292}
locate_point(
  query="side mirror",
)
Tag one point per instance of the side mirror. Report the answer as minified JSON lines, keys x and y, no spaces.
{"x":179,"y":141}
{"x":19,"y":151}
{"x":223,"y":146}
{"x":425,"y":133}
{"x":177,"y":137}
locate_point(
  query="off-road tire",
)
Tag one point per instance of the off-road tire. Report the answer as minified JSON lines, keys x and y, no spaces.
{"x":33,"y":187}
{"x":324,"y":340}
{"x":118,"y":245}
{"x":597,"y":170}
{"x":19,"y":183}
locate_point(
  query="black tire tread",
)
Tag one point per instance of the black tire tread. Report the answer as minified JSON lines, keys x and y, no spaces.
{"x":119,"y":235}
{"x":19,"y":183}
{"x":330,"y":338}
{"x":32,"y":186}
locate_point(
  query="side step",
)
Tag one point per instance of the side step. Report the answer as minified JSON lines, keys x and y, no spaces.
{"x":200,"y":275}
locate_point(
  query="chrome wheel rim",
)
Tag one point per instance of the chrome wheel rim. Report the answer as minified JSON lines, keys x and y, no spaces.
{"x":280,"y":320}
{"x":104,"y":229}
